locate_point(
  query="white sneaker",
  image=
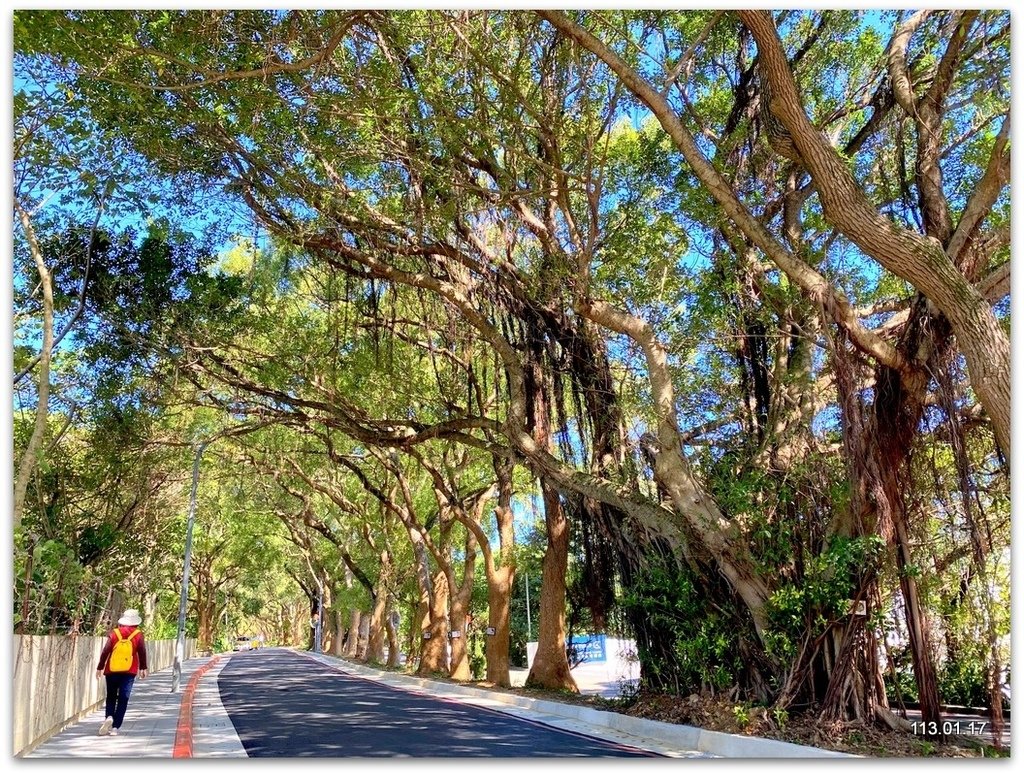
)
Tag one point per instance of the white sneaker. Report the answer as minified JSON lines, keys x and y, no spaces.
{"x":113,"y":733}
{"x":108,"y":722}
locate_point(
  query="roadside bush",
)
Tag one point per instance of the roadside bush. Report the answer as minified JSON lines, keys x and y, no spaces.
{"x":685,"y":644}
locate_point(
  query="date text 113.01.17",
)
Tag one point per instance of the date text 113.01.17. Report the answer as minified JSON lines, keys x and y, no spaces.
{"x":949,"y":727}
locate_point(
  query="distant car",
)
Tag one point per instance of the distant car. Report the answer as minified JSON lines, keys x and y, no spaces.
{"x":243,"y":643}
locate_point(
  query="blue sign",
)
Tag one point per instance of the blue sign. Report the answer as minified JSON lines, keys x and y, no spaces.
{"x":588,"y":648}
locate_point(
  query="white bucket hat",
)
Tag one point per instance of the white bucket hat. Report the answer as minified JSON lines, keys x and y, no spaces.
{"x":130,"y":617}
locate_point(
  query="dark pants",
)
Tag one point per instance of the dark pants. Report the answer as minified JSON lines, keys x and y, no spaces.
{"x":119,"y":688}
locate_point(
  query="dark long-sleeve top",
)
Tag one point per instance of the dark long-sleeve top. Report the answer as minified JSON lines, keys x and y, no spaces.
{"x":139,"y":661}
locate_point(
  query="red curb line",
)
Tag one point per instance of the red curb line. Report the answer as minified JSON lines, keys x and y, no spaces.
{"x":183,"y":735}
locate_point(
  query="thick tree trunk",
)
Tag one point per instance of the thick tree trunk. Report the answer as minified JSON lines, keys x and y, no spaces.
{"x":149,"y":603}
{"x":426,"y":630}
{"x":205,"y":606}
{"x":377,"y":634}
{"x":855,"y":689}
{"x":995,"y":695}
{"x":878,"y":440}
{"x":392,"y":634}
{"x":899,"y":405}
{"x":329,"y":621}
{"x":378,"y":619}
{"x":918,"y":630}
{"x":500,"y":578}
{"x":459,"y":669}
{"x":207,"y":618}
{"x":434,"y":657}
{"x":550,"y":669}
{"x":462,"y":597}
{"x":352,"y":640}
{"x":496,"y":645}
{"x":363,"y":638}
{"x":337,"y":641}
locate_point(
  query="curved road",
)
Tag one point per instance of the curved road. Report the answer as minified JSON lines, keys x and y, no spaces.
{"x":284,"y":705}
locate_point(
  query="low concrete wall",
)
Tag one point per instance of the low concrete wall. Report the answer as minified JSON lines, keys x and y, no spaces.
{"x":55,"y":681}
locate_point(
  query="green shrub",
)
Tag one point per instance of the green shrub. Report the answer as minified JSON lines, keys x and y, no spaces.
{"x":962,"y":682}
{"x":830,"y":581}
{"x":687,"y":644}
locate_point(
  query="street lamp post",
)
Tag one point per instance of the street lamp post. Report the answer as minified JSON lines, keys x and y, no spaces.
{"x":179,"y":649}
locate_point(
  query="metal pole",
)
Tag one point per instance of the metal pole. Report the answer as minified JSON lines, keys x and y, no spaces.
{"x":179,"y":649}
{"x":529,"y":626}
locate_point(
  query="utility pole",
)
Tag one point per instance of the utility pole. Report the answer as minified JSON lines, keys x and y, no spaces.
{"x":179,"y":649}
{"x":529,"y":626}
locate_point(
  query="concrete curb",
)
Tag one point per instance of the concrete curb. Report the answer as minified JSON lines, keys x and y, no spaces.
{"x":183,"y":736}
{"x":671,"y":735}
{"x":213,"y":734}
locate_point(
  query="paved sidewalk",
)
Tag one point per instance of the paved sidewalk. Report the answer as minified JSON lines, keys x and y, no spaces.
{"x":151,"y":724}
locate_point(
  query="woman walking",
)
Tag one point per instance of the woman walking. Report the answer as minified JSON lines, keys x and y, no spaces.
{"x":123,"y":657}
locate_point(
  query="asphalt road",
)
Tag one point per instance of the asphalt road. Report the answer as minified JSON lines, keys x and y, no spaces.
{"x":286,"y":705}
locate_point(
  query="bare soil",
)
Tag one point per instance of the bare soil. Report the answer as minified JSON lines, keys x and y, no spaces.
{"x":721,"y":714}
{"x":724,"y":715}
